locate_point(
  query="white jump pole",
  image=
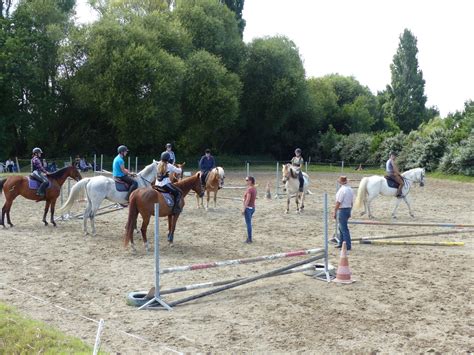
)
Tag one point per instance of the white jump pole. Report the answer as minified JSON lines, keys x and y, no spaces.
{"x":157,"y":297}
{"x":247,"y":166}
{"x":326,"y":242}
{"x":136,"y":164}
{"x":342,"y":167}
{"x":95,"y":163}
{"x":277,"y":188}
{"x":17,"y":165}
{"x":128,"y":163}
{"x":102,"y":162}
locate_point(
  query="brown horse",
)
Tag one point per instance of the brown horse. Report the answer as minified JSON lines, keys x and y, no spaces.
{"x":142,"y":201}
{"x":15,"y":186}
{"x":214,"y":182}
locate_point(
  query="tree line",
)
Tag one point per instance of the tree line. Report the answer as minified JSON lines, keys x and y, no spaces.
{"x":149,"y":72}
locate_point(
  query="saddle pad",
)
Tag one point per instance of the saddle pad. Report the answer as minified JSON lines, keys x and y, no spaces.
{"x":168,"y":198}
{"x":35,"y":184}
{"x":391,"y":182}
{"x":121,"y":186}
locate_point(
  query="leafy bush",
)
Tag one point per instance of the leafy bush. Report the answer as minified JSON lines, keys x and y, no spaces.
{"x":355,"y":148}
{"x":459,"y":158}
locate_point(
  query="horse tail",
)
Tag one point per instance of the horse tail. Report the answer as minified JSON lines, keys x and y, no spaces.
{"x":1,"y":185}
{"x":76,"y":189}
{"x":132,"y":219}
{"x":361,"y":192}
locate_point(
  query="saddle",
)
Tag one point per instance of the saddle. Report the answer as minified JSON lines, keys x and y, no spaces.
{"x":121,"y":186}
{"x":34,"y":184}
{"x":391,"y":182}
{"x":166,"y":195}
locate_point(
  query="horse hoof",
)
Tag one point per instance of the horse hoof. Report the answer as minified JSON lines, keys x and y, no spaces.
{"x":287,"y":211}
{"x":54,"y":224}
{"x":412,"y":215}
{"x":45,"y":223}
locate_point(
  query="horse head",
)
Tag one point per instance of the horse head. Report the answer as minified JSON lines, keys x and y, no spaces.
{"x":221,"y":176}
{"x":149,"y":172}
{"x":287,"y":172}
{"x":416,"y":175}
{"x":197,"y":187}
{"x":74,"y":173}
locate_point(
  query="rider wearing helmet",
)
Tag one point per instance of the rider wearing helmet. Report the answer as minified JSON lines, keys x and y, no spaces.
{"x":393,"y":172}
{"x":297,"y":163}
{"x":170,"y":152}
{"x":163,"y":180}
{"x":206,"y":164}
{"x":120,"y":173}
{"x":39,"y":171}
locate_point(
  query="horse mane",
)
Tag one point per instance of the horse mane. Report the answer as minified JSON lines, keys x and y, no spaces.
{"x":146,"y":168}
{"x":59,"y":173}
{"x":292,"y":172}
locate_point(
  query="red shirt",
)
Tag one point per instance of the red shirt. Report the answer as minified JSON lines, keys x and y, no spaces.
{"x":251,"y":194}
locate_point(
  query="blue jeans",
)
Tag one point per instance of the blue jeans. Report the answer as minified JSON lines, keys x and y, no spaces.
{"x":344,"y":214}
{"x":248,"y":221}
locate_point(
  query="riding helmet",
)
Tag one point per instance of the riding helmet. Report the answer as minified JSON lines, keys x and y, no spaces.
{"x":165,"y":156}
{"x":122,"y":149}
{"x":37,"y":150}
{"x":298,"y":150}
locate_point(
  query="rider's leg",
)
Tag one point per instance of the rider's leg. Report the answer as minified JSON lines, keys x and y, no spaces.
{"x":399,"y":179}
{"x":176,"y":192}
{"x":133,"y":184}
{"x":301,"y":179}
{"x":44,"y":184}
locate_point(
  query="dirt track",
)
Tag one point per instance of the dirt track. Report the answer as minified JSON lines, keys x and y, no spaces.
{"x":406,"y":299}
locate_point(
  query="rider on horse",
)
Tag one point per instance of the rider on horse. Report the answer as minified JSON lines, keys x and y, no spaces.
{"x":171,"y":153}
{"x":163,"y":180}
{"x":38,"y":171}
{"x":393,"y":172}
{"x":297,"y":163}
{"x":120,"y":173}
{"x":206,"y":164}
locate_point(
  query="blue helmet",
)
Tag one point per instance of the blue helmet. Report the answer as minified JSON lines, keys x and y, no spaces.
{"x":165,"y":156}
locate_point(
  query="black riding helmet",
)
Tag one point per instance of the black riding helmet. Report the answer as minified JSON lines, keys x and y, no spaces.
{"x":165,"y":157}
{"x":122,"y":149}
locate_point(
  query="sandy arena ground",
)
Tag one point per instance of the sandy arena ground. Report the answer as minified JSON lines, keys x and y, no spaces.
{"x":406,"y":298}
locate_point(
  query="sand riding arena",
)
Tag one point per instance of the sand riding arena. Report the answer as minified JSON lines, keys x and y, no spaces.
{"x":405,"y":299}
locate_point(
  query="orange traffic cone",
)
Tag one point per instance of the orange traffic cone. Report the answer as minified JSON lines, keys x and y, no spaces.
{"x":268,"y":193}
{"x":344,"y":273}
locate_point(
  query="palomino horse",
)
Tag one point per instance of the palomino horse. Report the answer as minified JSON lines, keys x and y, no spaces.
{"x":214,"y":182}
{"x":370,"y":187}
{"x":142,"y":201}
{"x":292,"y":185}
{"x":99,"y":188}
{"x":15,"y":186}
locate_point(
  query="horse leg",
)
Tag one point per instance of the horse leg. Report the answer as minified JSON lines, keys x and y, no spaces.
{"x":407,"y":201}
{"x":287,"y":202}
{"x":302,"y":200}
{"x":394,"y":216}
{"x":215,"y":199}
{"x":6,"y":212}
{"x":174,"y":219}
{"x":146,"y":221}
{"x":369,"y":200}
{"x":85,"y":217}
{"x":297,"y":200}
{"x":46,"y":209}
{"x":2,"y":216}
{"x":92,"y":213}
{"x":198,"y":201}
{"x":208,"y":197}
{"x":53,"y":205}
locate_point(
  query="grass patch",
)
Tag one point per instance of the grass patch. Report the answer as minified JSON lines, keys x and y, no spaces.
{"x":20,"y":335}
{"x":460,"y":178}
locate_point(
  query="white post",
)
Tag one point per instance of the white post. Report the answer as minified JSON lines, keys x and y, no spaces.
{"x":157,"y":251}
{"x":342,"y":167}
{"x":97,"y":337}
{"x":128,"y":163}
{"x":248,"y":169}
{"x":326,"y":247}
{"x":136,"y":165}
{"x":101,"y":162}
{"x":62,"y":204}
{"x":70,"y":160}
{"x":95,"y":163}
{"x":306,"y":166}
{"x":17,"y":165}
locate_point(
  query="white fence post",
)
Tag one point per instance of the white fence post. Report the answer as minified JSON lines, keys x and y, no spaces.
{"x":97,"y":337}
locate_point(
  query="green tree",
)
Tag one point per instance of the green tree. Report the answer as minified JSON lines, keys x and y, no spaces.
{"x":237,"y":7}
{"x":407,"y":91}
{"x":274,"y":81}
{"x":212,"y":27}
{"x":210,"y":104}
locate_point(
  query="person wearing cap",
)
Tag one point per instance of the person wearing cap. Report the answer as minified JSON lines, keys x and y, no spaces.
{"x":297,"y":162}
{"x":249,"y":205}
{"x":119,"y":171}
{"x":206,"y":164}
{"x":343,"y":208}
{"x":392,"y":171}
{"x":163,"y":180}
{"x":39,"y":171}
{"x":170,"y":152}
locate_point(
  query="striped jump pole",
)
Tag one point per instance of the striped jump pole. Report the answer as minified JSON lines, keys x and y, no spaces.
{"x":445,"y":225}
{"x":405,"y":242}
{"x":454,"y":231}
{"x":214,"y":264}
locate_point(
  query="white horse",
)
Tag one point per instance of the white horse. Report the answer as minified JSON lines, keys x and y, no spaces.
{"x":292,"y":185}
{"x":370,"y":187}
{"x":214,"y":182}
{"x":99,"y":188}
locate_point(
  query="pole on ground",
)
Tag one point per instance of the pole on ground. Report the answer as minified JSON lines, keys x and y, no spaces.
{"x":157,"y":297}
{"x":326,"y":251}
{"x":246,"y":280}
{"x":101,"y":162}
{"x":453,"y":231}
{"x":408,"y":242}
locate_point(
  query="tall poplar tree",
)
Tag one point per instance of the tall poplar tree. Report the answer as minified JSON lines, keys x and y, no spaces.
{"x":407,"y":93}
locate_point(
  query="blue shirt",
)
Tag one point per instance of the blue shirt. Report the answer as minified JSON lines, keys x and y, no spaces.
{"x":116,"y":170}
{"x":207,"y":164}
{"x":389,"y":167}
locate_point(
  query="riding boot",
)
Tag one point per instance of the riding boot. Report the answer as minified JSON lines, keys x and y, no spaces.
{"x":42,"y":189}
{"x":399,"y":191}
{"x":301,"y":180}
{"x":177,"y":208}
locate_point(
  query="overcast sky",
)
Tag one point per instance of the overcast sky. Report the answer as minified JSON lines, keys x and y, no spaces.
{"x":360,"y":37}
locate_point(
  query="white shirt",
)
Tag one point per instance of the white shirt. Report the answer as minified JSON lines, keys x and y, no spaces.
{"x":345,"y":196}
{"x":8,"y":162}
{"x":169,"y":169}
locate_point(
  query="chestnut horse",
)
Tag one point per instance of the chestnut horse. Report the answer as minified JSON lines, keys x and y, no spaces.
{"x":15,"y":186}
{"x":142,"y":201}
{"x":214,"y":182}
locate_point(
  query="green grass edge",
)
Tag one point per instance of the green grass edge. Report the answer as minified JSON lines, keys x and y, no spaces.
{"x":21,"y":335}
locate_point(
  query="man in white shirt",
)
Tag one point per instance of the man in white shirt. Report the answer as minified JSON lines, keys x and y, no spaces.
{"x":344,"y":202}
